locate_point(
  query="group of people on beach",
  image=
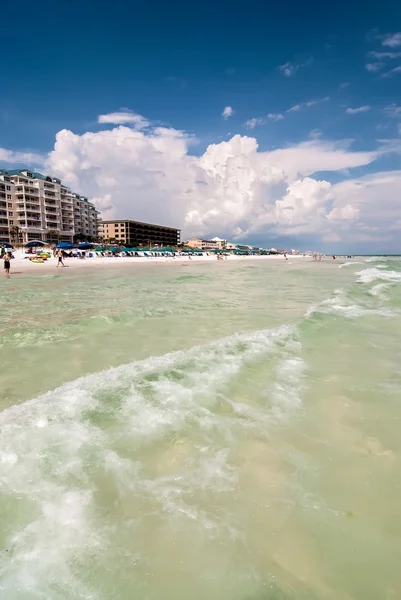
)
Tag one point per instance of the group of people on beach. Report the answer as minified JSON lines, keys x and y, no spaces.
{"x":7,"y":261}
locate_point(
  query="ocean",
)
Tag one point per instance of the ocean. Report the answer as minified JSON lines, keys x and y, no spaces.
{"x":223,"y":431}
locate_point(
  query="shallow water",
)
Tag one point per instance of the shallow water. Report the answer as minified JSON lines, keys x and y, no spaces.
{"x":218,"y":431}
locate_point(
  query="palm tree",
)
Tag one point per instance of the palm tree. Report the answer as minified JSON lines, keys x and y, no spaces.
{"x":15,"y":234}
{"x":53,"y":236}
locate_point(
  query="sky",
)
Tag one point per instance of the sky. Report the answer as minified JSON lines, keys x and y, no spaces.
{"x":274,"y":124}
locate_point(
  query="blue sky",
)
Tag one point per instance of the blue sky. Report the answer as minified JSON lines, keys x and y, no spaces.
{"x":180,"y":65}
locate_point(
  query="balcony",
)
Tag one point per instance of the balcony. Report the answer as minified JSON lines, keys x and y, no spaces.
{"x":35,"y":226}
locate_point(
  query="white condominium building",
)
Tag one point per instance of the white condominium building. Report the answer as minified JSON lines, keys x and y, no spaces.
{"x":39,"y":207}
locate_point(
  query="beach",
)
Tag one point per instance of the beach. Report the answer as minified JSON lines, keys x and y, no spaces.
{"x":21,"y":265}
{"x":206,"y":429}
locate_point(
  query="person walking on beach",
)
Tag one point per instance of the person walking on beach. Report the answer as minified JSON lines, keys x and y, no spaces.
{"x":60,"y":258}
{"x":6,"y":259}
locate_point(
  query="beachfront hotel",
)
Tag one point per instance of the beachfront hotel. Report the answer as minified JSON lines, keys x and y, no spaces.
{"x":215,"y":243}
{"x":135,"y":233}
{"x":39,"y":207}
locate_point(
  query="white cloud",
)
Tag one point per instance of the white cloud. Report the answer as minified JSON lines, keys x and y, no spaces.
{"x":392,"y":40}
{"x":124,"y":118}
{"x":374,"y":67}
{"x":252,"y":123}
{"x":344,"y":213}
{"x":290,"y":68}
{"x":15,"y":157}
{"x":383,"y":55}
{"x":343,"y":85}
{"x":376,"y":198}
{"x":392,"y":72}
{"x":233,"y":189}
{"x":303,"y":204}
{"x":227,"y":112}
{"x":315,"y":134}
{"x":359,"y":109}
{"x":393,"y":110}
{"x":313,"y":102}
{"x":308,"y":104}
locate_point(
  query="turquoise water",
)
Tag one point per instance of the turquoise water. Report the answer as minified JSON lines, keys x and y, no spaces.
{"x":216,"y":431}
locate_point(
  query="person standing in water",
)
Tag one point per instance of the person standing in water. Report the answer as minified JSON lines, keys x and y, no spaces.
{"x":6,"y":259}
{"x":60,"y":258}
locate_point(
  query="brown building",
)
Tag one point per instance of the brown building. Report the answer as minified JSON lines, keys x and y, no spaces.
{"x":135,"y":233}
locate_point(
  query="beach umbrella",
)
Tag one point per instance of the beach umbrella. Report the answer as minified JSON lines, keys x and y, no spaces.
{"x":66,"y":246}
{"x":34,"y":244}
{"x":6,"y":245}
{"x":114,"y":249}
{"x":100,"y":249}
{"x":85,"y":246}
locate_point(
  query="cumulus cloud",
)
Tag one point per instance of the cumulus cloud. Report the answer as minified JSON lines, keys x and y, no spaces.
{"x":233,"y":189}
{"x":227,"y":112}
{"x":275,"y":116}
{"x":124,"y":118}
{"x":359,"y":109}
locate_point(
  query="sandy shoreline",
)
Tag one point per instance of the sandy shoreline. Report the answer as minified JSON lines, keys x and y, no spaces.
{"x":21,"y":266}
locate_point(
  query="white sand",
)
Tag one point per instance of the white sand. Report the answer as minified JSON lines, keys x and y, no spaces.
{"x":23,"y":266}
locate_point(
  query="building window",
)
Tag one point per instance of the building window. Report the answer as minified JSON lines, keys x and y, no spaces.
{"x":11,"y":222}
{"x":8,"y":196}
{"x":10,"y":214}
{"x":10,"y":205}
{"x":8,"y":188}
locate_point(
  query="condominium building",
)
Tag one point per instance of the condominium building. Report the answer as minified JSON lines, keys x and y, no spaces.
{"x":204,"y":244}
{"x":39,"y":207}
{"x":134,"y":233}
